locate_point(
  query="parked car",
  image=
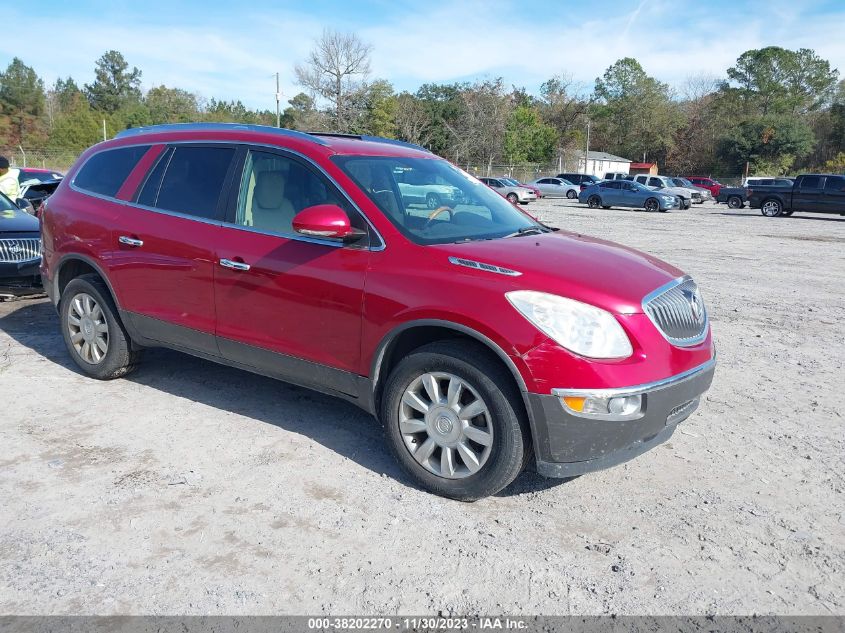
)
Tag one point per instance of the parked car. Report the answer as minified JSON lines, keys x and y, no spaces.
{"x":516,"y":183}
{"x":736,"y":197}
{"x":20,"y":251}
{"x":582,"y":180}
{"x":27,"y":174}
{"x":433,"y":195}
{"x":625,"y":193}
{"x":514,"y":194}
{"x":36,"y":192}
{"x":685,"y":195}
{"x":713,"y":186}
{"x":557,"y":188}
{"x":703,"y":194}
{"x":813,"y":193}
{"x":480,"y":338}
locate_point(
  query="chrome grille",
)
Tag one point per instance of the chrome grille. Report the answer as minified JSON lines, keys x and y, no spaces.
{"x":19,"y":250}
{"x":678,"y":312}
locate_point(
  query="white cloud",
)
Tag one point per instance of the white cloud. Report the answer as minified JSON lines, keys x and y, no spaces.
{"x":236,"y":59}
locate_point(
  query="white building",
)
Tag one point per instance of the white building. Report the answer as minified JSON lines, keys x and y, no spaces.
{"x":599,"y":163}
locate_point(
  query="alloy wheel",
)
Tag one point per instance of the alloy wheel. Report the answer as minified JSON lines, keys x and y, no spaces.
{"x":446,"y":425}
{"x":88,"y":328}
{"x":771,"y":208}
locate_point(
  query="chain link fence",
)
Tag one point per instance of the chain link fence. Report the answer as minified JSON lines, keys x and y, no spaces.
{"x":57,"y":159}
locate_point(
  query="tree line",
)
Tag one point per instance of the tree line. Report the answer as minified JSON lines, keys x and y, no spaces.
{"x":775,"y":111}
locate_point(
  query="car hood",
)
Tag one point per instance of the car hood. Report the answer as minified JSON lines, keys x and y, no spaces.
{"x":595,"y":271}
{"x":16,"y":221}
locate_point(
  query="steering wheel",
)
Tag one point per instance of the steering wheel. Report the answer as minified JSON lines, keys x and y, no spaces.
{"x":435,"y":213}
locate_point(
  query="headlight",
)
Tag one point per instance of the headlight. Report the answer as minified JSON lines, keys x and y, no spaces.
{"x":579,"y":327}
{"x":668,"y":198}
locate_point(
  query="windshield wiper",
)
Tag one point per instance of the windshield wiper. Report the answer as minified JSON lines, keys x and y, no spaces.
{"x":527,"y":230}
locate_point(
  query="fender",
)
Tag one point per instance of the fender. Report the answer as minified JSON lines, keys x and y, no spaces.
{"x":378,"y":357}
{"x":67,"y":257}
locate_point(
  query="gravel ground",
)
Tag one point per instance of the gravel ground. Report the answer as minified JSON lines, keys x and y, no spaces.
{"x":192,"y":488}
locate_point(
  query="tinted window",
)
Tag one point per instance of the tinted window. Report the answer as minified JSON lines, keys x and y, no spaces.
{"x":275,"y":188}
{"x":105,"y":171}
{"x":149,"y":192}
{"x":835,"y":183}
{"x":193,"y":180}
{"x":613,"y":184}
{"x":810,"y":182}
{"x":655,"y":182}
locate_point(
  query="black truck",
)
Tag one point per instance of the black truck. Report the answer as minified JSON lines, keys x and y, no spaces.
{"x":812,"y":193}
{"x":736,"y":197}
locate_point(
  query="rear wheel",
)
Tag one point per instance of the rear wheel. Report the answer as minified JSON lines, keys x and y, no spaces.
{"x":571,"y":194}
{"x":652,"y":205}
{"x":454,"y":420}
{"x":92,"y":331}
{"x":594,"y":202}
{"x":735,"y":202}
{"x":771,"y":208}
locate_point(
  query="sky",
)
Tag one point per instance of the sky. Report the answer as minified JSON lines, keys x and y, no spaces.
{"x":233,"y":50}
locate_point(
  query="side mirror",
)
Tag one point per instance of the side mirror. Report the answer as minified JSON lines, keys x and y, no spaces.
{"x":25,"y":205}
{"x":325,"y":220}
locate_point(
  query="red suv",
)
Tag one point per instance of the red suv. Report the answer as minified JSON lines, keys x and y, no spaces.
{"x":713,"y":186}
{"x":480,"y":338}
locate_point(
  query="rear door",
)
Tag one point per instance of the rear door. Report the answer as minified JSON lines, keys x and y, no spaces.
{"x":808,"y":195}
{"x":287,"y":304}
{"x":164,"y":264}
{"x":834,"y":194}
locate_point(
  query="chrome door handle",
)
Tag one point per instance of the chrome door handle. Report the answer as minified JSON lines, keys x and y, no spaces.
{"x":130,"y":241}
{"x":228,"y":263}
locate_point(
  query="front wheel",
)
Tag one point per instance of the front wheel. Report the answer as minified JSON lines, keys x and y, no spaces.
{"x":512,"y":198}
{"x":771,"y":208}
{"x":652,"y":205}
{"x":454,"y":420}
{"x":571,"y":194}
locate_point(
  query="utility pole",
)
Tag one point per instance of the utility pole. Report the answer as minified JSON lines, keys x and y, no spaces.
{"x":104,"y":130}
{"x":278,"y":100}
{"x":587,"y":150}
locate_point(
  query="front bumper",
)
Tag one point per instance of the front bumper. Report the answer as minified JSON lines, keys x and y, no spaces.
{"x":568,"y":444}
{"x":20,"y":278}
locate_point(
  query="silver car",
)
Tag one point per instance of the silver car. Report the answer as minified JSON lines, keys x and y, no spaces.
{"x":704,"y":194}
{"x":557,"y":188}
{"x":514,"y":194}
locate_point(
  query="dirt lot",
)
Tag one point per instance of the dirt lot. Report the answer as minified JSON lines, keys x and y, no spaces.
{"x":194,"y":488}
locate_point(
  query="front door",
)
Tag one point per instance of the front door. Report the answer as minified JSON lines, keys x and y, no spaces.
{"x":165,"y":240}
{"x":287,"y":304}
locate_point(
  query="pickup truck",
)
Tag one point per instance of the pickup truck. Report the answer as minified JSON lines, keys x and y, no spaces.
{"x":813,"y":193}
{"x":736,"y":197}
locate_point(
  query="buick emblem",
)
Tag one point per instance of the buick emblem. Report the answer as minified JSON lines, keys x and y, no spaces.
{"x":696,"y":305}
{"x":16,"y":248}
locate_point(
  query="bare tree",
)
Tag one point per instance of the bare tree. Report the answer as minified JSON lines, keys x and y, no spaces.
{"x":480,"y":130}
{"x":413,"y":123}
{"x":563,"y":106}
{"x":336,"y":70}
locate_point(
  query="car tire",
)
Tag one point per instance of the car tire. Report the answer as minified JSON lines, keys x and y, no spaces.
{"x":651,"y":205}
{"x":477,"y":469}
{"x":92,"y":330}
{"x":594,"y":202}
{"x":735,"y":202}
{"x":571,"y":194}
{"x":771,"y":208}
{"x":512,"y":198}
{"x":432,"y":201}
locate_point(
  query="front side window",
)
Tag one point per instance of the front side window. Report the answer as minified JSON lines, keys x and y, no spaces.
{"x":448,"y":205}
{"x":105,"y":172}
{"x":834,"y":183}
{"x":274,"y":188}
{"x":188,"y":179}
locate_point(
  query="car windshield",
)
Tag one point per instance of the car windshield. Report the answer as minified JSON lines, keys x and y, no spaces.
{"x":6,"y":204}
{"x":433,"y":202}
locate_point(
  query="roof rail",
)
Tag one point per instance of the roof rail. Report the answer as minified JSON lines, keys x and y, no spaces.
{"x":220,"y":127}
{"x":372,"y":139}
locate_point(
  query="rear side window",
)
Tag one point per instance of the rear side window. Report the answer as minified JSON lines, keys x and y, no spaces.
{"x":811,"y":182}
{"x":188,"y":180}
{"x":105,"y":172}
